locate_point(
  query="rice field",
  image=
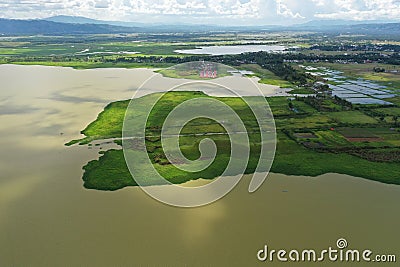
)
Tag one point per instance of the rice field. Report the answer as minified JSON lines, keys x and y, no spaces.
{"x":356,"y":91}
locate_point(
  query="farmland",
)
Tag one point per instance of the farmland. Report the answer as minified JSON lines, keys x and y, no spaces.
{"x":342,"y":104}
{"x":310,"y":142}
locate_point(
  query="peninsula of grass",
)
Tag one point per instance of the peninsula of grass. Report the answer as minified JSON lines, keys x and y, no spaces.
{"x":310,"y":141}
{"x":266,"y":76}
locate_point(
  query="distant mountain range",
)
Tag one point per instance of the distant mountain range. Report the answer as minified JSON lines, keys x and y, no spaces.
{"x":363,"y":28}
{"x":84,"y":20}
{"x":313,"y":23}
{"x":338,"y":22}
{"x":147,"y":27}
{"x":24,"y":27}
{"x":80,"y":25}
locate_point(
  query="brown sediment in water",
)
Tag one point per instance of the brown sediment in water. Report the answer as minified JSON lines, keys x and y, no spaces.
{"x":49,"y":219}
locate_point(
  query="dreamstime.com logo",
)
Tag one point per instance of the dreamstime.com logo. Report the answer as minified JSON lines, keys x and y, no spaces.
{"x":216,"y":81}
{"x":340,"y":253}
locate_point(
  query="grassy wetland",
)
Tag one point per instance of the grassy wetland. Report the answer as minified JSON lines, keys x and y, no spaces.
{"x":311,"y":142}
{"x":342,"y":130}
{"x":335,"y":174}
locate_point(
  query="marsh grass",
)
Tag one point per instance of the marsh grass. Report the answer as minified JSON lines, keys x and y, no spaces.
{"x":329,"y":151}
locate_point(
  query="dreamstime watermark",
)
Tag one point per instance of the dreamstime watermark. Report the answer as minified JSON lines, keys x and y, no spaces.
{"x":213,"y":79}
{"x":340,"y":253}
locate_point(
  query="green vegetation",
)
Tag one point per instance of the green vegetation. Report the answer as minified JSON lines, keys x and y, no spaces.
{"x":302,"y":91}
{"x":109,"y":124}
{"x":185,"y":72}
{"x":352,"y":117}
{"x":98,"y":173}
{"x":90,"y":64}
{"x":390,"y":78}
{"x":294,"y":159}
{"x":93,"y":46}
{"x":316,"y":134}
{"x":310,"y":142}
{"x":266,"y":76}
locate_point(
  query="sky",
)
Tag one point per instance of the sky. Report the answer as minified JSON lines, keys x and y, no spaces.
{"x":223,"y":12}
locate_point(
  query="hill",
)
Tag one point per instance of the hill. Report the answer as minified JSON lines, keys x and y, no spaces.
{"x":339,"y":22}
{"x":64,"y":25}
{"x":84,"y":20}
{"x":22,"y":27}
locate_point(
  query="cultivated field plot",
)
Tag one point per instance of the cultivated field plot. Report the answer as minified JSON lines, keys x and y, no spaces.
{"x":378,"y":137}
{"x":362,"y":92}
{"x":352,"y":141}
{"x":305,"y":122}
{"x":349,"y":139}
{"x":280,"y":107}
{"x":305,"y":135}
{"x":353,"y":117}
{"x":356,"y":91}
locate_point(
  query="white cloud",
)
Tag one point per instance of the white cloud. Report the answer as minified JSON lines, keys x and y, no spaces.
{"x":361,"y":9}
{"x":319,"y":2}
{"x":102,"y":4}
{"x":205,"y":11}
{"x":284,"y":10}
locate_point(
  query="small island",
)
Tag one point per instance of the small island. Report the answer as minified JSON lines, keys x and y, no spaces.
{"x":315,"y":135}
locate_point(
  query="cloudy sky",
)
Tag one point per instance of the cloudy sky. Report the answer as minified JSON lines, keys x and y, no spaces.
{"x":229,"y":12}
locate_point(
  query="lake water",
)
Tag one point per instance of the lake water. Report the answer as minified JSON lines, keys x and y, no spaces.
{"x":231,"y":49}
{"x":48,"y":219}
